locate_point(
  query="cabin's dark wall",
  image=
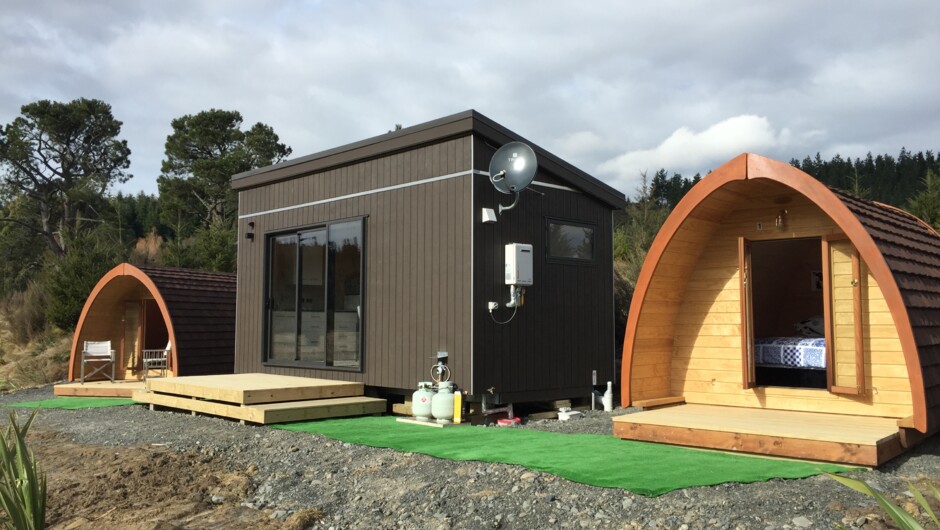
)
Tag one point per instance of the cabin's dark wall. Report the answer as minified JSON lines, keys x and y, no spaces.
{"x":416,"y":299}
{"x":431,"y":265}
{"x":565,"y":329}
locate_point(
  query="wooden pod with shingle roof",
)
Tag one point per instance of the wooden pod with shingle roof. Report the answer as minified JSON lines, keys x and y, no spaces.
{"x":767,"y":290}
{"x":138,"y":308}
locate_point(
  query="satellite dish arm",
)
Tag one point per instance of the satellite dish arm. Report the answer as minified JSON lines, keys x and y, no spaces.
{"x":511,"y":206}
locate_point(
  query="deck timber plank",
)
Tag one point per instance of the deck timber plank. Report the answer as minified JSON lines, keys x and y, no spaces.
{"x":249,"y":389}
{"x":270,"y":412}
{"x":659,"y":402}
{"x":868,"y":441}
{"x":98,"y":389}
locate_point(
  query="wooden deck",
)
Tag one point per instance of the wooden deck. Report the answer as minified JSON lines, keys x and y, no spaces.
{"x":260,"y":398}
{"x":118,"y":388}
{"x":861,"y":440}
{"x":249,"y":389}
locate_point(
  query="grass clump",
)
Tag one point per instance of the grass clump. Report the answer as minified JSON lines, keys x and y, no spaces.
{"x":898,"y":515}
{"x":22,"y":482}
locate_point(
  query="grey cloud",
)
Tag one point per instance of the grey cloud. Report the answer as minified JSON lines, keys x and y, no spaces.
{"x":593,"y":82}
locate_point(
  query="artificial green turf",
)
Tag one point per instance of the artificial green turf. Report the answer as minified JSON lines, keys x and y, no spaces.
{"x":643,"y":468}
{"x":73,"y":403}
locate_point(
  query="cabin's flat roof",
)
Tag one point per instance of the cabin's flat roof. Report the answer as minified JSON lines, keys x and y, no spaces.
{"x":456,"y":125}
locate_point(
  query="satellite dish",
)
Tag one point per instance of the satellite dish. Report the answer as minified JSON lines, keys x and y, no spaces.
{"x":513,"y":167}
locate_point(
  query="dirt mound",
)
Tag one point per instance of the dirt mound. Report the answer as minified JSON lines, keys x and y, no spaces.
{"x":139,"y":488}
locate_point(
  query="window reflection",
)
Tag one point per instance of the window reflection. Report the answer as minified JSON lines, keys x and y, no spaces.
{"x":570,"y":241}
{"x":315,"y":296}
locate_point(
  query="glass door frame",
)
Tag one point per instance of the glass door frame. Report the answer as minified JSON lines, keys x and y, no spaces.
{"x":267,"y":312}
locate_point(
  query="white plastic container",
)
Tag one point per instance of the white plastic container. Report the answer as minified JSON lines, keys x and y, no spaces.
{"x":608,"y":398}
{"x":421,"y":401}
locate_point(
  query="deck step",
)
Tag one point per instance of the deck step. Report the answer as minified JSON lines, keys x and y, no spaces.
{"x":98,"y":389}
{"x":251,"y":389}
{"x":862,"y":440}
{"x":266,"y":413}
{"x":647,"y":404}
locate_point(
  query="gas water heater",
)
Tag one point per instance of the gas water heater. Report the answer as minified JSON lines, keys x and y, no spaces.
{"x":518,"y":272}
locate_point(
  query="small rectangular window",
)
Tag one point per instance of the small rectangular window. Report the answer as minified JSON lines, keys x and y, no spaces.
{"x":570,"y":241}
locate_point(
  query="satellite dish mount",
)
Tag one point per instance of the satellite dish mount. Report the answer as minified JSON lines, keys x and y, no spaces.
{"x":512,"y":169}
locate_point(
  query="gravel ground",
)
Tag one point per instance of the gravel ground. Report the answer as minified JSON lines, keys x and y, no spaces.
{"x":362,"y":487}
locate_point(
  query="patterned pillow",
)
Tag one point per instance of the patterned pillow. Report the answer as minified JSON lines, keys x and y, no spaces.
{"x":811,"y":327}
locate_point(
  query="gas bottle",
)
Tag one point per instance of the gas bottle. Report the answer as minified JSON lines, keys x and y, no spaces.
{"x":421,"y":401}
{"x":442,"y":406}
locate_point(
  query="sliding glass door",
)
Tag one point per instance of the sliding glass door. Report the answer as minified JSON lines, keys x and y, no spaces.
{"x":314,"y":302}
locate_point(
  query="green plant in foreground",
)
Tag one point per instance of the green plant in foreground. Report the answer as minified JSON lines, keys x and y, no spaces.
{"x":22,"y":482}
{"x":904,"y":520}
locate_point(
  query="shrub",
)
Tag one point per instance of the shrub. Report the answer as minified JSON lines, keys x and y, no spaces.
{"x":25,"y":313}
{"x":22,"y":482}
{"x":69,"y":280}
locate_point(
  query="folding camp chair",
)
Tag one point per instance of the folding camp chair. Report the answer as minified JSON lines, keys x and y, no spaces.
{"x":99,"y":353}
{"x":156,"y":360}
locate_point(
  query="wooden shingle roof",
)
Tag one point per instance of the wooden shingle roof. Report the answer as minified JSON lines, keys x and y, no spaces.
{"x":201,"y":307}
{"x":911,"y":249}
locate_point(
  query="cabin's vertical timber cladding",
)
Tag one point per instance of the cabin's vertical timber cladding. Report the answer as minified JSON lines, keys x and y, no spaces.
{"x":417,"y":242}
{"x":559,"y":337}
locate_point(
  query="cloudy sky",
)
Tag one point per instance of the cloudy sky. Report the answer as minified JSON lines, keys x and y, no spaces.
{"x":616,"y":88}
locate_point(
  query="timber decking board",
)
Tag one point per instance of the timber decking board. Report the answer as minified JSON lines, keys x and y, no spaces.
{"x":865,"y":430}
{"x":863,"y":440}
{"x":270,"y":412}
{"x":98,"y":389}
{"x":648,"y":404}
{"x":248,"y":389}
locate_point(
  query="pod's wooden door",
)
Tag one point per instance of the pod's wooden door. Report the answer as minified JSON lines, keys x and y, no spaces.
{"x":749,"y":373}
{"x":843,"y":304}
{"x":132,"y":332}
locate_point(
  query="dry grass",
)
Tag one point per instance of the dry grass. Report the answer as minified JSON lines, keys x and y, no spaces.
{"x":41,"y":361}
{"x":303,"y":519}
{"x":23,"y":315}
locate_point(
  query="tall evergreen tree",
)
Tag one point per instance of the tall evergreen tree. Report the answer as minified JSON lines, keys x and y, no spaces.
{"x":202,"y":154}
{"x":926,"y":204}
{"x":196,"y":197}
{"x":61,"y":158}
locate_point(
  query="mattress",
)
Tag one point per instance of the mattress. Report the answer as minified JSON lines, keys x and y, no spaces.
{"x":792,"y":352}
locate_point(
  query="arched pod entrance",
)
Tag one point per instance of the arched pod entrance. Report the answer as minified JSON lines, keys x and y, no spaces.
{"x":686,"y":330}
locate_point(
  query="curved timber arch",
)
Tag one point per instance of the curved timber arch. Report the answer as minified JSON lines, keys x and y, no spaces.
{"x":685,"y":236}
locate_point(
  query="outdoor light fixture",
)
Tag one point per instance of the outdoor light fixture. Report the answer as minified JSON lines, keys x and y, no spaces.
{"x":250,"y":235}
{"x":781,"y":220}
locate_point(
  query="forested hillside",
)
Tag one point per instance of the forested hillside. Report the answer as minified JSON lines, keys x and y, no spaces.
{"x":62,"y":224}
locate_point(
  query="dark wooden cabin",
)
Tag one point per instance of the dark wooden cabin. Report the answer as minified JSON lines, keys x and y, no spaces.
{"x":382,"y":247}
{"x":138,"y":308}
